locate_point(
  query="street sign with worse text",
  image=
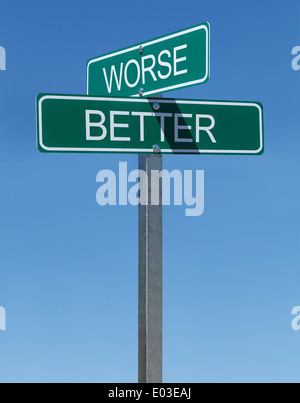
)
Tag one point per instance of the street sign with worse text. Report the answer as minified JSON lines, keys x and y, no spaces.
{"x":163,"y":64}
{"x":77,"y":123}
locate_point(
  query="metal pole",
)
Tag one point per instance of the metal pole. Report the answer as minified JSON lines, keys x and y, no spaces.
{"x":150,"y":279}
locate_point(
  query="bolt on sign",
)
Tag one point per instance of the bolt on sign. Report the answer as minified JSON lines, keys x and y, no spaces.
{"x":163,"y":64}
{"x":76,"y":123}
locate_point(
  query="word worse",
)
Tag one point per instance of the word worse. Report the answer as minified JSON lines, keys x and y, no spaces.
{"x":2,"y":319}
{"x":183,"y":185}
{"x":162,"y":64}
{"x":148,"y":64}
{"x":2,"y":58}
{"x":106,"y":124}
{"x":296,"y":320}
{"x":296,"y":59}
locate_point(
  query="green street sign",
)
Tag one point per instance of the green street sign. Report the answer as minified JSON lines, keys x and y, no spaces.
{"x":77,"y":123}
{"x":163,"y":64}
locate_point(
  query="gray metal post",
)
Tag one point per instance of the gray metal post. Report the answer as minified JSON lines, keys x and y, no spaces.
{"x":150,"y":279}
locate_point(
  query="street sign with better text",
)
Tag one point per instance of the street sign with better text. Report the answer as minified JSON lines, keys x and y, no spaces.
{"x":77,"y":123}
{"x":163,"y":64}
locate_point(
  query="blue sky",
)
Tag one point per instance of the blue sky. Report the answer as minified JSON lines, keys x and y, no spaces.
{"x":68,"y":267}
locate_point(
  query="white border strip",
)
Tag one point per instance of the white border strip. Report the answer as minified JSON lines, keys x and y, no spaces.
{"x":147,"y":150}
{"x":152,"y":42}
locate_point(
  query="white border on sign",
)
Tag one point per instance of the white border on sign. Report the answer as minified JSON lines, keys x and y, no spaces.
{"x":147,"y":150}
{"x":186,"y":84}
